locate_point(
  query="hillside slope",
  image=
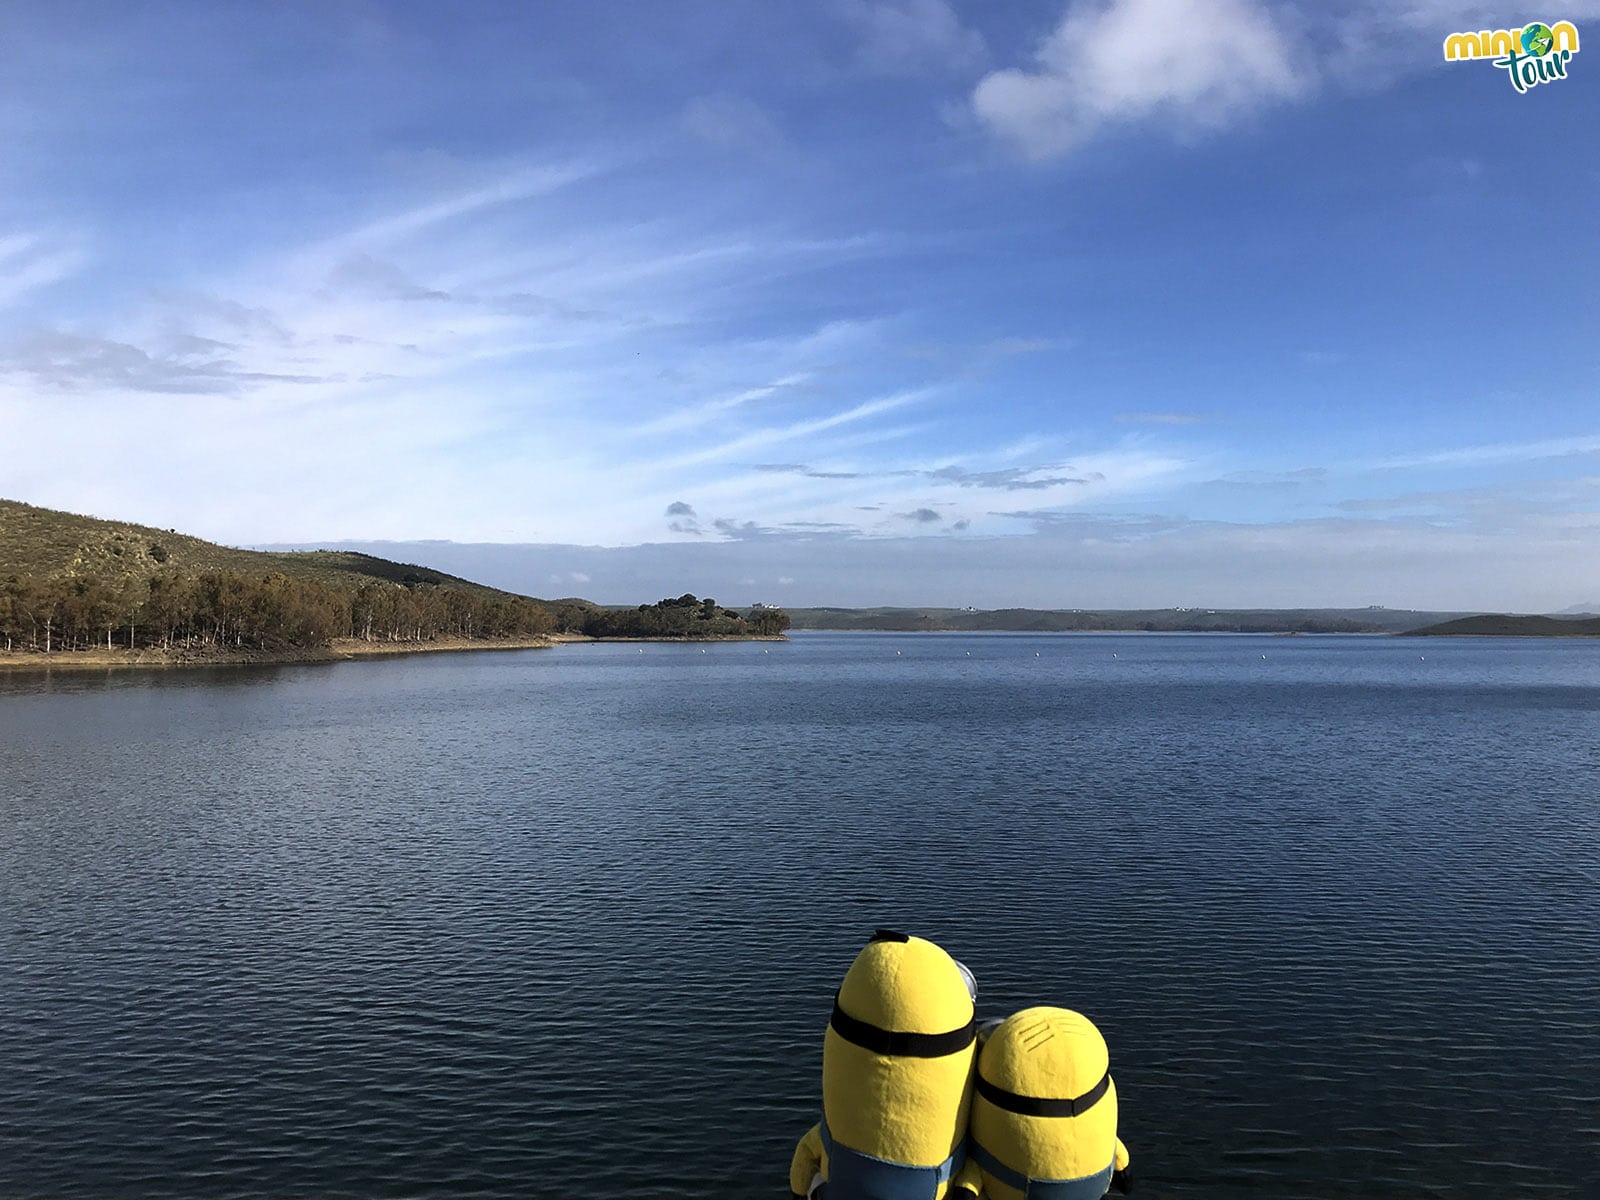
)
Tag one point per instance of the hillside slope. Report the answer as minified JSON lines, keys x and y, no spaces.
{"x":44,"y":543}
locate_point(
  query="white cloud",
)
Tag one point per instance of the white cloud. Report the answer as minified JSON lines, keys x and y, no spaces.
{"x":1185,"y":63}
{"x":29,"y":262}
{"x":912,"y":37}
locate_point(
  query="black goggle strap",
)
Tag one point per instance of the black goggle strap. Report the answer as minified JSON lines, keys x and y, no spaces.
{"x":896,"y":1042}
{"x":1038,"y":1106}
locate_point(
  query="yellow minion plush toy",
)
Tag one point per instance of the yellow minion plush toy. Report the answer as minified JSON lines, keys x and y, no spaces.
{"x":896,"y":1080}
{"x":1044,"y":1110}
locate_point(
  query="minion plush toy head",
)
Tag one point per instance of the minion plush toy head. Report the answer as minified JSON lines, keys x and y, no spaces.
{"x":896,"y":1076}
{"x":1044,"y":1110}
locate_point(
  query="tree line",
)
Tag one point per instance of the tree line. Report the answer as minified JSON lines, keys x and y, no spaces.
{"x":236,"y":611}
{"x":231,"y":610}
{"x":685,"y":616}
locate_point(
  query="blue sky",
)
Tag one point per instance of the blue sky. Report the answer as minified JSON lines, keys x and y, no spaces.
{"x":1135,"y":302}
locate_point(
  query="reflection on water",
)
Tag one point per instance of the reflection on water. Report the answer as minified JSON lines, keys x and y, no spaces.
{"x":497,"y":924}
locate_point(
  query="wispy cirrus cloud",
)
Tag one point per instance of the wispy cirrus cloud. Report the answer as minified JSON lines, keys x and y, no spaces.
{"x":1501,"y":452}
{"x":30,"y":262}
{"x":518,"y":185}
{"x":712,"y":410}
{"x":1161,"y":418}
{"x":1009,"y":479}
{"x":759,"y":439}
{"x":496,"y":348}
{"x":803,"y":470}
{"x":1296,"y":478}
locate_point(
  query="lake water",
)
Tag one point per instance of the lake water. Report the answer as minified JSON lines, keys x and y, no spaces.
{"x":569,"y":922}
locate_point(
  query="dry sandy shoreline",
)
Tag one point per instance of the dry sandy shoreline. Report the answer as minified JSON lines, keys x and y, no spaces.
{"x":338,"y":650}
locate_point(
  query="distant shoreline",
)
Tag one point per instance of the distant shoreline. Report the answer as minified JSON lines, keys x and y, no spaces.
{"x":1280,"y":622}
{"x":351,"y":649}
{"x":1514,"y":625}
{"x":1178,"y":632}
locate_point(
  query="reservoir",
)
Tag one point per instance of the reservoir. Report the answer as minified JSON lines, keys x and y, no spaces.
{"x":569,"y":922}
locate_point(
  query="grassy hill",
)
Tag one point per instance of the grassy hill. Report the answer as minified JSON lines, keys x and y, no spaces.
{"x":76,"y":583}
{"x":1159,"y":620}
{"x":1506,"y":625}
{"x":44,"y":543}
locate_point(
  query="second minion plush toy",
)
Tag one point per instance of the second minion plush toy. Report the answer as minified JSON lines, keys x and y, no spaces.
{"x":896,"y":1080}
{"x":1044,"y":1110}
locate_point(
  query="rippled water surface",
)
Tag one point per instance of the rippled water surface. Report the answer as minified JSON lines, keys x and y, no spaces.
{"x":569,"y":922}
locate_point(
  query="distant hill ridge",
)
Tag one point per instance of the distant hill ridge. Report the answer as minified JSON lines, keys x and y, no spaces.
{"x":1155,"y":620}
